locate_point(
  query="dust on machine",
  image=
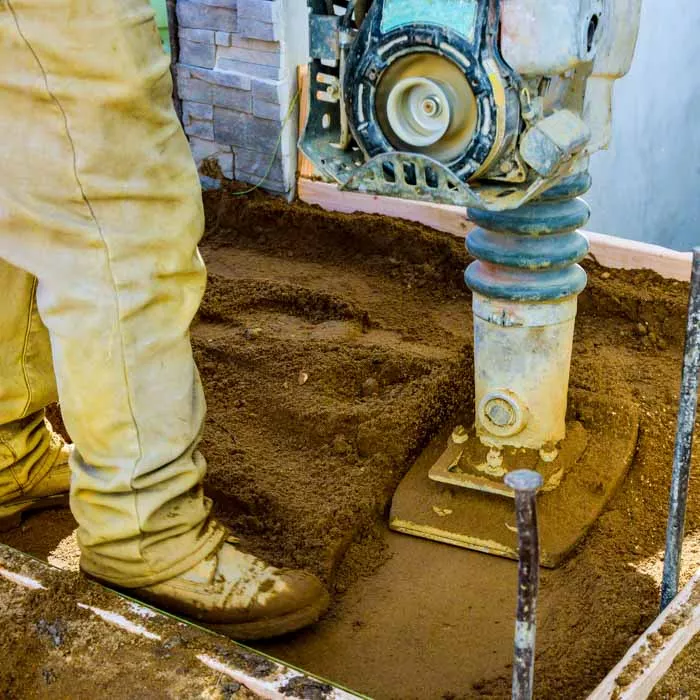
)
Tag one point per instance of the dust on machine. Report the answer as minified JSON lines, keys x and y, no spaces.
{"x":496,"y":106}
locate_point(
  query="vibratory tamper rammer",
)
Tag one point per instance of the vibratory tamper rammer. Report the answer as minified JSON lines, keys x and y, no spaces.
{"x":495,"y":105}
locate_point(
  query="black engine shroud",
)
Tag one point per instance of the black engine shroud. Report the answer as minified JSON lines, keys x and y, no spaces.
{"x":344,"y":136}
{"x":373,"y":52}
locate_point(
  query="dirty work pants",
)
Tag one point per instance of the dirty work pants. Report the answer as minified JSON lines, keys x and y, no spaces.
{"x":100,"y":216}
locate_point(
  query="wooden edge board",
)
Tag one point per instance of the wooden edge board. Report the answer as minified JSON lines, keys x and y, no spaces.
{"x":441,"y":217}
{"x":305,"y":167}
{"x":626,"y":254}
{"x":659,"y":660}
{"x":609,"y":251}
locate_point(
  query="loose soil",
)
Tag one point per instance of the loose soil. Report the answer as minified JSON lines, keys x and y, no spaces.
{"x":70,"y":638}
{"x":682,"y":681}
{"x":332,"y":349}
{"x":657,"y":646}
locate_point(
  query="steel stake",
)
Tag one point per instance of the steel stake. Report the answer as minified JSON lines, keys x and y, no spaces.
{"x":525,"y":483}
{"x":684,"y":441}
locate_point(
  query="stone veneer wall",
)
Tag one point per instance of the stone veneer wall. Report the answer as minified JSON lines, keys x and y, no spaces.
{"x":236,"y":75}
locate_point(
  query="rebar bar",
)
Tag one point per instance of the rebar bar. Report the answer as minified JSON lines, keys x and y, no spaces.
{"x":525,"y":483}
{"x":684,"y":441}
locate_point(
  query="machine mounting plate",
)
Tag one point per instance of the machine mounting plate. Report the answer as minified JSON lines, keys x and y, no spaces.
{"x":479,"y":518}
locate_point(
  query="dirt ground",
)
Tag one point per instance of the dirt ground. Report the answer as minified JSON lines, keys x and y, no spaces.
{"x":682,"y":681}
{"x":332,"y":348}
{"x":60,"y":631}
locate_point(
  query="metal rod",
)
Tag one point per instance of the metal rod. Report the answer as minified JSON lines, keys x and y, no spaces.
{"x":525,"y":483}
{"x":684,"y":441}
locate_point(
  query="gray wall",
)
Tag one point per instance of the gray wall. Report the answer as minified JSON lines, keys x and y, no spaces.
{"x":236,"y":77}
{"x":647,"y":186}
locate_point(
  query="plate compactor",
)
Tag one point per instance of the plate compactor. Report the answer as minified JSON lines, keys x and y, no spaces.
{"x":494,"y":105}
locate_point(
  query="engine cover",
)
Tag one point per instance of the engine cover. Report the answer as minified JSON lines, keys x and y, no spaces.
{"x":431,"y":85}
{"x":480,"y":103}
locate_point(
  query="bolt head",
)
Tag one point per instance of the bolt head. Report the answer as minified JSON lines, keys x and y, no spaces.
{"x":430,"y":106}
{"x":500,"y":412}
{"x":524,"y":480}
{"x":460,"y":435}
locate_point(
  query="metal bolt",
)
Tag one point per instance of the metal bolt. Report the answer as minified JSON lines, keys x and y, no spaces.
{"x":525,"y":483}
{"x":494,"y":458}
{"x":460,"y":435}
{"x":500,"y":412}
{"x":548,"y":454}
{"x":431,"y":106}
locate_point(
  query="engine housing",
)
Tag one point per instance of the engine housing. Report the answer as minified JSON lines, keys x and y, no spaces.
{"x":415,"y":98}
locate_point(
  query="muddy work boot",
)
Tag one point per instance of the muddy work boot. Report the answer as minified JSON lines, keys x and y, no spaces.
{"x":51,"y":491}
{"x":240,"y":596}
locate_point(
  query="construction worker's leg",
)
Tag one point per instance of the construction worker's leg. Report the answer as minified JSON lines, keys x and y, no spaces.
{"x":100,"y":200}
{"x":28,"y":449}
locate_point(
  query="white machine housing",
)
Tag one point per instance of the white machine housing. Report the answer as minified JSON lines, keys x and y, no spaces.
{"x":554,"y":38}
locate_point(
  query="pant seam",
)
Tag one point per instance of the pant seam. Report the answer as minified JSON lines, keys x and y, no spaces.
{"x":113,"y":281}
{"x":25,"y":349}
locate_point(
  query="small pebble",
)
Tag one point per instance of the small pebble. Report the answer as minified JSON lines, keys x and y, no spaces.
{"x":252,"y":333}
{"x":341,"y":446}
{"x":370,"y":387}
{"x":303,"y":378}
{"x":668,"y":629}
{"x":640,"y":329}
{"x":605,"y":275}
{"x":229,"y":689}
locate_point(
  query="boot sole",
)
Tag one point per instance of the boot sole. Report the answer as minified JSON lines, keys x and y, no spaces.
{"x":11,"y":515}
{"x":241,"y":631}
{"x":274,"y":626}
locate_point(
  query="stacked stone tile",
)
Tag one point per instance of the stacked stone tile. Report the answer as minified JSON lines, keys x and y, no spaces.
{"x":235,"y":86}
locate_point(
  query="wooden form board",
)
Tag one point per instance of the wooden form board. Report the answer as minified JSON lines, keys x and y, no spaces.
{"x":305,"y":168}
{"x":609,"y":251}
{"x":657,"y":661}
{"x":438,"y":216}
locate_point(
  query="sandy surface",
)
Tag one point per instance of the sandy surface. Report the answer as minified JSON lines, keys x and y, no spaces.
{"x":682,"y":681}
{"x":332,"y":348}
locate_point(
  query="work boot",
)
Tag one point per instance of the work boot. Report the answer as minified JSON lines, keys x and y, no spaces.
{"x":51,"y":491}
{"x":240,"y":596}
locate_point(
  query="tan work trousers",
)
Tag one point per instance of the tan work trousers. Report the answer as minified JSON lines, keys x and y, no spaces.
{"x":100,"y":216}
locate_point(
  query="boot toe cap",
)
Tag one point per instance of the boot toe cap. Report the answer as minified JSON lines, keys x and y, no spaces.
{"x":291,"y":591}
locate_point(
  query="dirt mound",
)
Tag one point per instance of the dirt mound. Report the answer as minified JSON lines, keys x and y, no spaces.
{"x":332,"y":349}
